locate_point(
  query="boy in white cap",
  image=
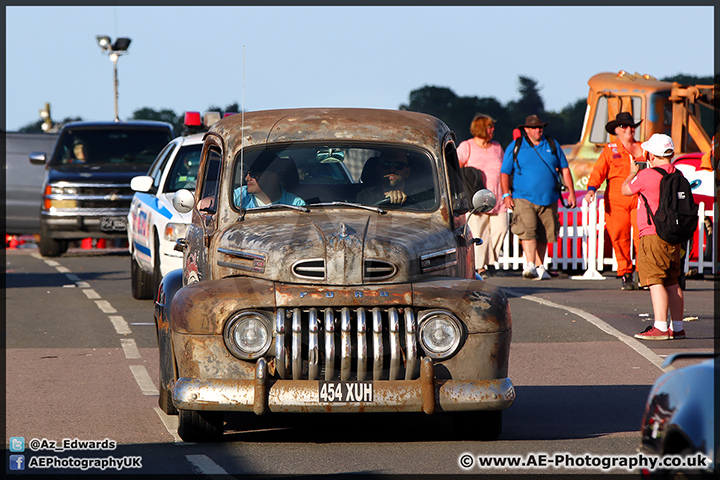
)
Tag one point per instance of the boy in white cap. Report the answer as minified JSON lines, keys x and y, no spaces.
{"x":658,"y":262}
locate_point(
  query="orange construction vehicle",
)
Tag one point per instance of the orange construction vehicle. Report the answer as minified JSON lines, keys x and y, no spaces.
{"x":685,"y":112}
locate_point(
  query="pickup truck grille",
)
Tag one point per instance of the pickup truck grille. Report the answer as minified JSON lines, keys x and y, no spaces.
{"x":347,"y":344}
{"x":84,"y":196}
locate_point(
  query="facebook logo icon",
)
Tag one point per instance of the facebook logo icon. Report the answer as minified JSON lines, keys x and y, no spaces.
{"x":17,"y":462}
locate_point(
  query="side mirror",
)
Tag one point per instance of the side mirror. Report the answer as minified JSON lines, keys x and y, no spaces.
{"x":38,"y":158}
{"x":183,"y":200}
{"x":141,"y":183}
{"x":483,"y":201}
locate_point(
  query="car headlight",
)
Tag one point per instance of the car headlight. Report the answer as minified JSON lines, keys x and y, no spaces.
{"x":173,"y":231}
{"x":440,"y":334}
{"x":248,"y":335}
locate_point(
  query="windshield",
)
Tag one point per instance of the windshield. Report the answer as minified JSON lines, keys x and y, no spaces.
{"x":391,"y":177}
{"x":185,"y":169}
{"x":110,"y":146}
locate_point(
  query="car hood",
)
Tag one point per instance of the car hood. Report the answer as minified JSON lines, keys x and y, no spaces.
{"x":351,"y":249}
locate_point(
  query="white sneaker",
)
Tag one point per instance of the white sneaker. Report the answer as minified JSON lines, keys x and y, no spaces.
{"x":542,"y":274}
{"x":530,"y":271}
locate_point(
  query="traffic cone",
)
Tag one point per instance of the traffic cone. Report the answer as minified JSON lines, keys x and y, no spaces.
{"x":13,"y":242}
{"x":86,"y":244}
{"x":101,"y":243}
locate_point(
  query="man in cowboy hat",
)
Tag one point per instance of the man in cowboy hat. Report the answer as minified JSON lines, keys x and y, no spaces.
{"x":535,"y":193}
{"x":613,"y":165}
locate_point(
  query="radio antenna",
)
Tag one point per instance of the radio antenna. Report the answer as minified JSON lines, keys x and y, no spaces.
{"x":242,"y":135}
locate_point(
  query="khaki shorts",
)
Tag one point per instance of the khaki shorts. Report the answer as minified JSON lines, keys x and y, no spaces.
{"x":658,"y":262}
{"x":532,"y":221}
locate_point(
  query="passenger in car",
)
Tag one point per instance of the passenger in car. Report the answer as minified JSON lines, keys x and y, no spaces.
{"x":79,"y":152}
{"x":264,"y":184}
{"x":391,"y":174}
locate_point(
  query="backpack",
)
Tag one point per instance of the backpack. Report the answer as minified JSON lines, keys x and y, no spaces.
{"x":676,"y":217}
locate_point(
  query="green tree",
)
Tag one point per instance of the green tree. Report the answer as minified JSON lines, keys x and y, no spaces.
{"x":685,"y":79}
{"x":164,"y":115}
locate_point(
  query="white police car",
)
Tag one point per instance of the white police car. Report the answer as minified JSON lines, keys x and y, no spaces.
{"x":153,"y":223}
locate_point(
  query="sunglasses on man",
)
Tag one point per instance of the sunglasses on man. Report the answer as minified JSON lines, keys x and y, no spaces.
{"x":395,"y":165}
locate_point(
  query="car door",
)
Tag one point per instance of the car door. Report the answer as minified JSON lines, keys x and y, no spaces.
{"x":142,"y":210}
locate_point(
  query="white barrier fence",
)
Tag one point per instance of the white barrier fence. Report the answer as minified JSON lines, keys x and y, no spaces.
{"x":581,"y":243}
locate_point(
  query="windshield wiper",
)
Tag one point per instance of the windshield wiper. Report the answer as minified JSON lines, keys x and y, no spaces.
{"x":271,"y":206}
{"x":348,"y":204}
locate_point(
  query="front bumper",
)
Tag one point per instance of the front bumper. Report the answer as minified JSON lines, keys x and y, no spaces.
{"x":86,"y":223}
{"x":262,"y":394}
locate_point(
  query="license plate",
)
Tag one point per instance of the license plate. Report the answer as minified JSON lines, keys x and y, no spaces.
{"x":113,"y":224}
{"x":354,"y":392}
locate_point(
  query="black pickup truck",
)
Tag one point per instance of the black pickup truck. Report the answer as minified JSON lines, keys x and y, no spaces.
{"x":86,"y":191}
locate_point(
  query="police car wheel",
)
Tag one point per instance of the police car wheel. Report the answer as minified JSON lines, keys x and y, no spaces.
{"x":140,"y":281}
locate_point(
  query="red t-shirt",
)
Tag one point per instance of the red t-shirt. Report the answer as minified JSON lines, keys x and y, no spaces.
{"x":647,"y":182}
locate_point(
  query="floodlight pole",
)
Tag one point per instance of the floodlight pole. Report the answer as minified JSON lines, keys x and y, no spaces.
{"x":114,"y":58}
{"x":114,"y":51}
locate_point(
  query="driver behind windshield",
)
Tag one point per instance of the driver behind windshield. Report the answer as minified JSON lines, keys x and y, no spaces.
{"x":264,"y":182}
{"x":392,"y":171}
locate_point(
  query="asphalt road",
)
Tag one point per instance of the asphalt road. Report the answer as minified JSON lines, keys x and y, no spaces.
{"x":81,"y":363}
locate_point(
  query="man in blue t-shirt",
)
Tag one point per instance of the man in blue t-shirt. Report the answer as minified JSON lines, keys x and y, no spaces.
{"x":534,"y":197}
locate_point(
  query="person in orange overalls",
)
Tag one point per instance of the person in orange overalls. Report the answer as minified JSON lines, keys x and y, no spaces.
{"x":613,"y":165}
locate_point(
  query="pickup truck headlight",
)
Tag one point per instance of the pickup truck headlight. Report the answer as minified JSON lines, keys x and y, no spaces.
{"x":440,"y":334}
{"x":173,"y":231}
{"x":248,"y":335}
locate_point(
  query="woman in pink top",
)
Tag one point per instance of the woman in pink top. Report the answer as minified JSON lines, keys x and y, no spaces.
{"x":485,"y":154}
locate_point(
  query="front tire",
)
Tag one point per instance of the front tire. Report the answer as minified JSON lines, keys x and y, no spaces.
{"x":50,"y":247}
{"x":141,"y":282}
{"x":165,"y":401}
{"x":200,"y":425}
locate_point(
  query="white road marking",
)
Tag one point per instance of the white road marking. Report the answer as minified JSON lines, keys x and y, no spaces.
{"x":72,"y":277}
{"x":90,"y":293}
{"x":121,"y":326}
{"x":82,"y":284}
{"x":52,"y":263}
{"x":130,"y":348}
{"x":143,"y":380}
{"x":62,"y":269}
{"x":643,"y":350}
{"x":144,"y":323}
{"x":170,"y":422}
{"x":104,"y":305}
{"x":204,"y":465}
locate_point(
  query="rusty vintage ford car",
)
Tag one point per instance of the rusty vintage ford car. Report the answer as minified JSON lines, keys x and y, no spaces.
{"x":325,"y":294}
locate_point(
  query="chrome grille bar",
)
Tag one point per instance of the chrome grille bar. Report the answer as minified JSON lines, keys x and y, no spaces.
{"x":329,"y":344}
{"x":410,"y":345}
{"x":345,"y":344}
{"x":296,"y":344}
{"x":377,"y":343}
{"x":394,"y":322}
{"x":361,"y":345}
{"x":313,"y":345}
{"x":280,"y":358}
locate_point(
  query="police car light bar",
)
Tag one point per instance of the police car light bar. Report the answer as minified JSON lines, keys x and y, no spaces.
{"x":192,"y":119}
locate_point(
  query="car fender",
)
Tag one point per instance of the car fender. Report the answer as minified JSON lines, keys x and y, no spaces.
{"x":170,"y":284}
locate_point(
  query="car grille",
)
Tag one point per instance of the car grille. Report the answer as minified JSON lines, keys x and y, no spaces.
{"x":94,"y":196}
{"x":374,"y":269}
{"x":347,"y":344}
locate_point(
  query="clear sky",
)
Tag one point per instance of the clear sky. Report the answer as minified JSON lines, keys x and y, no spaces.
{"x":188,"y":58}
